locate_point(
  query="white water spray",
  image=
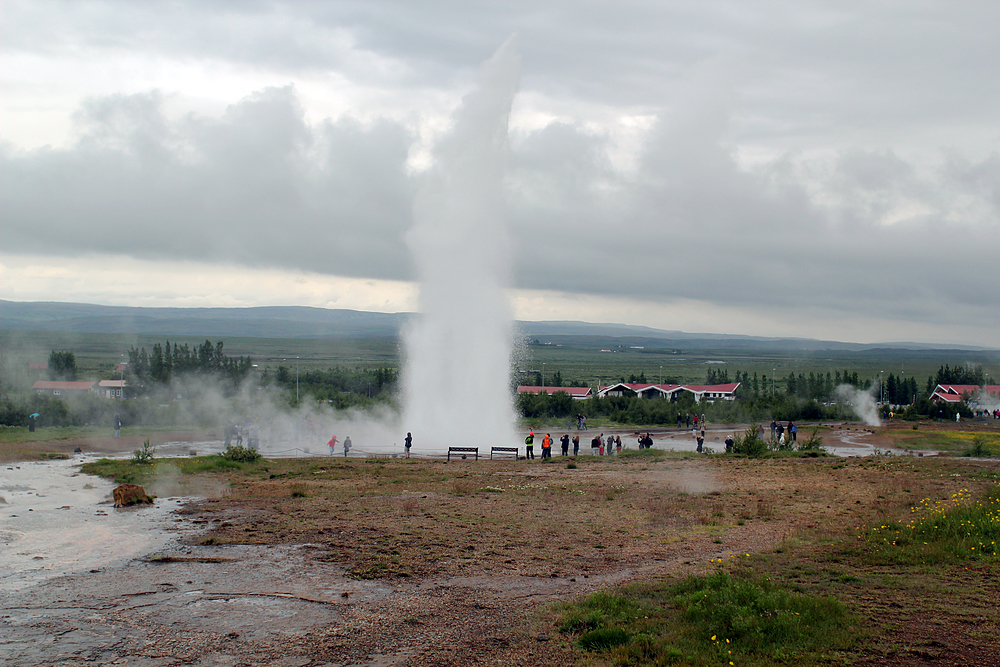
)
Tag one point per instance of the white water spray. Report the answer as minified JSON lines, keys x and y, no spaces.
{"x":457,"y":371}
{"x":862,"y":403}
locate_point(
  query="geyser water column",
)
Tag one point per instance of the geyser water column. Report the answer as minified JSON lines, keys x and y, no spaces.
{"x":458,"y":350}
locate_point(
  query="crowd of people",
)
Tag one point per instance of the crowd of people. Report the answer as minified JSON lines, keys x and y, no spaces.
{"x":599,"y":445}
{"x":237,"y":432}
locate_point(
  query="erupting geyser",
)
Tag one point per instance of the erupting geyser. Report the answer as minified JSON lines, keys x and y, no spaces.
{"x":458,"y":351}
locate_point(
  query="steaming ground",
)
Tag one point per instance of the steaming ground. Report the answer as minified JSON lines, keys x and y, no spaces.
{"x":424,"y":562}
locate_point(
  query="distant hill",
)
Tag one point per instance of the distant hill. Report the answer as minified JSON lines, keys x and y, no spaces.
{"x":307,"y":322}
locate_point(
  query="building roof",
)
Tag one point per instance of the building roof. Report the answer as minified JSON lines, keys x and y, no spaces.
{"x":572,"y":391}
{"x":669,"y":389}
{"x":947,"y":398}
{"x":56,"y":384}
{"x":636,"y":387}
{"x":111,"y":384}
{"x":714,"y":388}
{"x":959,"y":389}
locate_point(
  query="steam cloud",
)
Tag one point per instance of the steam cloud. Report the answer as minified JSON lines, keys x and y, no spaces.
{"x":459,"y":352}
{"x":861,"y":402}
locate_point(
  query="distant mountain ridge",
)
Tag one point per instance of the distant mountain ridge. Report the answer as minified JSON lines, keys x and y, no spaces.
{"x":310,"y":322}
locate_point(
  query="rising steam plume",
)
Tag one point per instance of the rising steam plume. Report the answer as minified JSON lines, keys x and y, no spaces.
{"x":456,"y":377}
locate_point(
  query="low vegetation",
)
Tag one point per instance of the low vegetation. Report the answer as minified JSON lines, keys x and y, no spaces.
{"x":730,"y":617}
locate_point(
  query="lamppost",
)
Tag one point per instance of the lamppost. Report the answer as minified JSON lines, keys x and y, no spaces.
{"x":296,"y":379}
{"x":773,"y":371}
{"x":543,"y":375}
{"x":881,"y":387}
{"x":661,"y":374}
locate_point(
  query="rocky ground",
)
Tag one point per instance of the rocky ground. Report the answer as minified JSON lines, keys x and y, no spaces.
{"x":389,"y":562}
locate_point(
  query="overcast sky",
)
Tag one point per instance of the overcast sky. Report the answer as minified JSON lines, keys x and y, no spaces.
{"x":820,"y":169}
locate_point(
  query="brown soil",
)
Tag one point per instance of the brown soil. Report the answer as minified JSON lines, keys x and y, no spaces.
{"x":390,"y":562}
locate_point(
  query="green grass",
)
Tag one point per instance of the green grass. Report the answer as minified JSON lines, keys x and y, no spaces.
{"x":127,"y":471}
{"x":723,"y":618}
{"x":960,"y":528}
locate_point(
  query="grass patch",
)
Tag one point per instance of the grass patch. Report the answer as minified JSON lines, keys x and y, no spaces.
{"x":722,"y":618}
{"x":651,"y":454}
{"x":962,"y":527}
{"x":981,"y":446}
{"x":128,"y":471}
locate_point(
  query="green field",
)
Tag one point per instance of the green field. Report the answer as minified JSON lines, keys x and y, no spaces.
{"x":591,"y":365}
{"x":574,"y":358}
{"x":97,"y":355}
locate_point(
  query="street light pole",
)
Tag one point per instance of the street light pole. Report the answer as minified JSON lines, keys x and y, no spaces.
{"x":881,"y":387}
{"x":773,"y":371}
{"x":543,"y":375}
{"x":661,"y":374}
{"x":296,"y":379}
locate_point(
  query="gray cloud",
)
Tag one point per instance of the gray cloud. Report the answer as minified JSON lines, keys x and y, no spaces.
{"x":840,"y":157}
{"x":258,"y":186}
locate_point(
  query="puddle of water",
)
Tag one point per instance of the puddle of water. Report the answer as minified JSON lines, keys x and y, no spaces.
{"x":57,"y":521}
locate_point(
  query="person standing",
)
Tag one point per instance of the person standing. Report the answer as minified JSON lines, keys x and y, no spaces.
{"x":680,"y":420}
{"x":408,"y":441}
{"x":529,"y":445}
{"x":595,"y":444}
{"x":31,"y":423}
{"x":618,"y":444}
{"x":794,"y":430}
{"x":347,"y":445}
{"x":546,"y":446}
{"x":610,"y":445}
{"x":576,"y":445}
{"x":774,"y":429}
{"x":565,"y":444}
{"x":118,"y":425}
{"x":332,"y":444}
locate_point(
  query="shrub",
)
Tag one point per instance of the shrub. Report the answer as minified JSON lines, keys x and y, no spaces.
{"x":750,"y":443}
{"x":144,"y":456}
{"x":813,"y":442}
{"x":241,"y":454}
{"x":979,"y":448}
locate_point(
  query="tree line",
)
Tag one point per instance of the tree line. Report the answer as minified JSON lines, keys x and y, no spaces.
{"x":149,"y":371}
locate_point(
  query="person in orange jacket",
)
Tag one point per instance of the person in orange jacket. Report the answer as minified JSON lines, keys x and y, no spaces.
{"x":547,"y":446}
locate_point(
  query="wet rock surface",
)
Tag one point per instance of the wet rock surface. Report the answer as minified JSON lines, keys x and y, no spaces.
{"x":249,"y":605}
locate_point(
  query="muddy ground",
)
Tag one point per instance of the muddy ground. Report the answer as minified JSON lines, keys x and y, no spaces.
{"x":423,"y":562}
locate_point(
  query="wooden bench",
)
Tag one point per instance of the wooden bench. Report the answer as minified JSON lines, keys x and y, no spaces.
{"x":463,"y":451}
{"x":504,"y":450}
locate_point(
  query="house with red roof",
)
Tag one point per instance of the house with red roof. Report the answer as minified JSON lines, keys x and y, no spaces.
{"x":708,"y":392}
{"x":668,"y":391}
{"x":955,"y":393}
{"x":576,"y":393}
{"x":63,"y":389}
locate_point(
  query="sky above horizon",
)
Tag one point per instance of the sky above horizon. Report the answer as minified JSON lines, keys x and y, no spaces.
{"x":811,"y":169}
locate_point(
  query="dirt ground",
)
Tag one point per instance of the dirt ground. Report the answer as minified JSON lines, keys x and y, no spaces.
{"x":384,"y":562}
